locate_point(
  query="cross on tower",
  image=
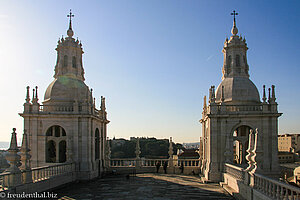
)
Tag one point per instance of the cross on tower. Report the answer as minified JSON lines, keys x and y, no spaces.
{"x":70,"y":15}
{"x":234,"y":14}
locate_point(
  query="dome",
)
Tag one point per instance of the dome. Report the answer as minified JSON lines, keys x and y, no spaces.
{"x":238,"y":90}
{"x":66,"y":89}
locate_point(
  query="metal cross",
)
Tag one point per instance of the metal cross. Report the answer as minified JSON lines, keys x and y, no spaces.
{"x":70,"y":15}
{"x":234,"y":14}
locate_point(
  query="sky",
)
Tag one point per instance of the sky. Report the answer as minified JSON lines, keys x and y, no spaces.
{"x":153,"y":60}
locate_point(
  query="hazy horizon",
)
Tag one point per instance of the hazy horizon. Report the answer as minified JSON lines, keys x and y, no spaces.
{"x":153,"y":60}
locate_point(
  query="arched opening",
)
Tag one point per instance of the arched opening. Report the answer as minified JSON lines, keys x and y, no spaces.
{"x":237,"y":60}
{"x":229,"y":64}
{"x":240,"y":144}
{"x":56,"y":146}
{"x":51,"y":152}
{"x":65,"y":61}
{"x":74,"y":62}
{"x":97,"y":144}
{"x":62,"y":151}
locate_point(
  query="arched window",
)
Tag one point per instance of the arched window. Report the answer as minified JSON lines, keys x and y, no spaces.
{"x":50,"y":152}
{"x":240,"y":144}
{"x":65,"y":61}
{"x":74,"y":62}
{"x":237,"y":60}
{"x":228,"y":61}
{"x":97,"y":144}
{"x":229,"y":65}
{"x":62,"y":151}
{"x":56,"y":146}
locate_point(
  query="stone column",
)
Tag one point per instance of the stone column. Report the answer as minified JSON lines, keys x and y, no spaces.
{"x":13,"y":159}
{"x":25,"y":160}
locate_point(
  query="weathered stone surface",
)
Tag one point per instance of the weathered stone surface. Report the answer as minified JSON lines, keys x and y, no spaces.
{"x":144,"y":186}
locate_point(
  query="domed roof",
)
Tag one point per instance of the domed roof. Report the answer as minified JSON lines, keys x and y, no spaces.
{"x":66,"y":89}
{"x":238,"y":90}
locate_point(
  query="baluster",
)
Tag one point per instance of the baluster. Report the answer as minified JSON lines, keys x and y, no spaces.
{"x":292,"y":194}
{"x":270,"y":189}
{"x":281,"y":193}
{"x":286,"y":194}
{"x":277,"y":192}
{"x":265,"y":186}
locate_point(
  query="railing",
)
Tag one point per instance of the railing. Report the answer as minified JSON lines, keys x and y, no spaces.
{"x":42,"y":173}
{"x":3,"y":176}
{"x":235,"y":171}
{"x":122,"y":162}
{"x":39,"y":173}
{"x":56,"y":108}
{"x":241,"y":108}
{"x":153,"y":162}
{"x":275,"y":189}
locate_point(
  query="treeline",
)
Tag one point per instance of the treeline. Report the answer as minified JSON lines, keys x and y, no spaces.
{"x":149,"y":147}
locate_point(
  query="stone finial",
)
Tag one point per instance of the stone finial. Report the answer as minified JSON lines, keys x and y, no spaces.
{"x":264,"y":94}
{"x":273,"y":93}
{"x":36,"y":93}
{"x":33,"y":97}
{"x":170,"y":148}
{"x":103,"y":108}
{"x":25,"y":156}
{"x":222,"y":94}
{"x":70,"y":32}
{"x":137,"y":148}
{"x":210,"y":94}
{"x":204,"y":105}
{"x":27,"y":95}
{"x":12,"y":156}
{"x":269,"y":99}
{"x":234,"y":29}
{"x":94,"y":102}
{"x":213,"y":95}
{"x":25,"y":159}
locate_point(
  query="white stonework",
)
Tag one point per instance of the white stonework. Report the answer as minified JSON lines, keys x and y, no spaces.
{"x":67,"y":127}
{"x":232,"y":111}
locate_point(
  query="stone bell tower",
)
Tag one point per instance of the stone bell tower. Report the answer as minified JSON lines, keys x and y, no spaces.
{"x":233,"y":110}
{"x":67,"y":127}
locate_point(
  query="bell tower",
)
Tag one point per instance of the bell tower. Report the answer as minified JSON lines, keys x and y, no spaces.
{"x":67,"y":126}
{"x":233,"y":111}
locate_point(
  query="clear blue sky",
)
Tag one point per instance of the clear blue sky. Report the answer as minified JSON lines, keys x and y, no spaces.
{"x":152,"y":60}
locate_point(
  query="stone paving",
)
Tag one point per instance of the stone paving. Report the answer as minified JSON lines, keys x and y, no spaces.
{"x":143,"y":186}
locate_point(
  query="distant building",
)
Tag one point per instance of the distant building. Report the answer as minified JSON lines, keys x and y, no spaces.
{"x":189,"y":154}
{"x":289,"y":143}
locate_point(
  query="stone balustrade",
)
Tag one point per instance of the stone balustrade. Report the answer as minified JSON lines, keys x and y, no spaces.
{"x":38,"y":174}
{"x":122,"y":162}
{"x":256,"y":186}
{"x":55,"y":108}
{"x":275,"y":189}
{"x":234,"y":171}
{"x":241,"y":108}
{"x":152,"y":162}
